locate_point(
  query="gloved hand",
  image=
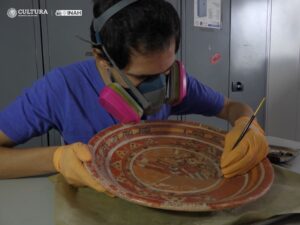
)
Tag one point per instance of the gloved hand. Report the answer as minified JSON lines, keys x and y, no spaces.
{"x":252,"y":149}
{"x":68,"y":160}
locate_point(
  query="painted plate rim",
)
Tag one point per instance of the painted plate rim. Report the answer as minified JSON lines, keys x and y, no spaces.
{"x":266,"y":184}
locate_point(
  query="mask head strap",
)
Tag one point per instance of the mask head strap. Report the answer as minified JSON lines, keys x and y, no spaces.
{"x":99,"y":22}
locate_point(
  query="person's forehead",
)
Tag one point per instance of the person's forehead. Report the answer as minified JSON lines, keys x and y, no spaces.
{"x":150,"y":64}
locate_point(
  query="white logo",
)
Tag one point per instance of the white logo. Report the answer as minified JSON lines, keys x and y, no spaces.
{"x":32,"y":12}
{"x":69,"y":12}
{"x":12,"y":13}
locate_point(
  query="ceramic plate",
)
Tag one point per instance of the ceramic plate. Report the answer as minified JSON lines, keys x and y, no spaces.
{"x":172,"y":165}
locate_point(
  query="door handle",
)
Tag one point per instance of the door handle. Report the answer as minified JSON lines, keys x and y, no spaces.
{"x":237,"y":86}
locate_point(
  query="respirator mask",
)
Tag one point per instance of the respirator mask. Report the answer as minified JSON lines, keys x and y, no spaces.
{"x":128,"y":105}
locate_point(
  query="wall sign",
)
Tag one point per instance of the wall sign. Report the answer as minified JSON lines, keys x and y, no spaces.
{"x":207,"y":13}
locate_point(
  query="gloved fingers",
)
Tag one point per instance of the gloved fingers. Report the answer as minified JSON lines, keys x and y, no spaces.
{"x":242,"y":164}
{"x":90,"y":181}
{"x":82,"y":152}
{"x":263,"y":149}
{"x":109,"y":194}
{"x":87,"y":179}
{"x":229,"y":155}
{"x":255,"y":154}
{"x":254,"y":162}
{"x":83,"y":178}
{"x":262,"y":153}
{"x":243,"y":171}
{"x":232,"y":156}
{"x":257,"y":128}
{"x":72,"y":174}
{"x":250,"y":151}
{"x":230,"y":138}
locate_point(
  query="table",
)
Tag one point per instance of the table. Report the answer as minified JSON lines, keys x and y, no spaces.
{"x":27,"y":201}
{"x":30,"y":201}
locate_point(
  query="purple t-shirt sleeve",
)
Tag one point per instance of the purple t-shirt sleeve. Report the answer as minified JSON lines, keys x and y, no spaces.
{"x":200,"y":99}
{"x":32,"y":113}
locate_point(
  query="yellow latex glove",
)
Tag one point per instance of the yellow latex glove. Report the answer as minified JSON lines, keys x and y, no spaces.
{"x":252,"y":149}
{"x":68,"y":160}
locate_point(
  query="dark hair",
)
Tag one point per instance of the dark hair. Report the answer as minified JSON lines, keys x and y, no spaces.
{"x":144,"y":26}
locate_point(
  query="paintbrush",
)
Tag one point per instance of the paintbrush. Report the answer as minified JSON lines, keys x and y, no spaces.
{"x":249,"y":123}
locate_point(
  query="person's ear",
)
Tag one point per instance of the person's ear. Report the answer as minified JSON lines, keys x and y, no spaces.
{"x":97,"y":53}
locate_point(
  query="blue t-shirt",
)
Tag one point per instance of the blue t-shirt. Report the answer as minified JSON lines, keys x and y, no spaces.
{"x":66,"y":99}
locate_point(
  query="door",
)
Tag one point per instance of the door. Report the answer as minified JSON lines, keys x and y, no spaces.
{"x":249,"y":52}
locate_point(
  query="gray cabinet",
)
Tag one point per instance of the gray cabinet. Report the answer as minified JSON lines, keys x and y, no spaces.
{"x":242,"y":44}
{"x":199,"y":46}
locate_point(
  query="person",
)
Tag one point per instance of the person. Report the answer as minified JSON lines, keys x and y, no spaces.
{"x":134,"y":43}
